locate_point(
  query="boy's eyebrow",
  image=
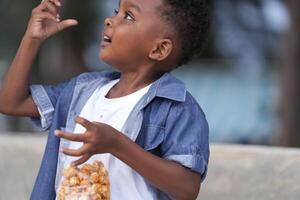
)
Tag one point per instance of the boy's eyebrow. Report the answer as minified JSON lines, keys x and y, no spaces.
{"x":130,"y":4}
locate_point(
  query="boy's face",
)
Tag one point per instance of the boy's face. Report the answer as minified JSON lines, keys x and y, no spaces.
{"x":130,"y":35}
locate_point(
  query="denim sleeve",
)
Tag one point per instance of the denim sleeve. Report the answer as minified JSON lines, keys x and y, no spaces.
{"x":186,"y":138}
{"x":45,"y":97}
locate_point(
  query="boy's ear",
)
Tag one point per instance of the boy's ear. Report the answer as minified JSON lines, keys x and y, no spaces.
{"x":161,"y":50}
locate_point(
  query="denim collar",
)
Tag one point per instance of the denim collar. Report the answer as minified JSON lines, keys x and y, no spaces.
{"x":167,"y":86}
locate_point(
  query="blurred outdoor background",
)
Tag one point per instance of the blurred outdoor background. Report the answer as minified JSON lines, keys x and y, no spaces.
{"x":247,"y":80}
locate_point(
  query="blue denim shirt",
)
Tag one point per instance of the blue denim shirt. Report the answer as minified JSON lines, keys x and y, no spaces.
{"x":167,"y":122}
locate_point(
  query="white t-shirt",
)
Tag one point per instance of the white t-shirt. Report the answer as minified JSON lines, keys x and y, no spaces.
{"x":125,"y":183}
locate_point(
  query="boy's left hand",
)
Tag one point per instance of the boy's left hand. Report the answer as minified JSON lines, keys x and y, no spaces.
{"x":98,"y":138}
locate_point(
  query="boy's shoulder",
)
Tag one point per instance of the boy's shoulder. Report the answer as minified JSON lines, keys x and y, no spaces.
{"x":170,"y":87}
{"x":173,"y":100}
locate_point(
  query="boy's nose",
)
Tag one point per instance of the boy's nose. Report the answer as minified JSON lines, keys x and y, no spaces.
{"x":108,"y":21}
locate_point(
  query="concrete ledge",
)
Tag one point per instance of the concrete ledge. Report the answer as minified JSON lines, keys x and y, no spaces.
{"x":20,"y":160}
{"x":235,"y":172}
{"x":252,"y":173}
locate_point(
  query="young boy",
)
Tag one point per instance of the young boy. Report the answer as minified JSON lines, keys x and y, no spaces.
{"x":140,"y":122}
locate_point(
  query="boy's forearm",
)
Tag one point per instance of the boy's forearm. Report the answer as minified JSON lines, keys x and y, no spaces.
{"x":168,"y":176}
{"x":16,"y":83}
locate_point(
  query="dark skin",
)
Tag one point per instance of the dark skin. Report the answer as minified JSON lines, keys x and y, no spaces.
{"x":142,"y":52}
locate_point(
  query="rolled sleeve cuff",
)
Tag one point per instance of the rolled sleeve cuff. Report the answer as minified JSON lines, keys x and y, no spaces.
{"x":193,"y":162}
{"x":44,"y":105}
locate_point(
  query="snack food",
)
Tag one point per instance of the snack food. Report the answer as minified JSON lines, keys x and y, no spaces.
{"x":90,"y":182}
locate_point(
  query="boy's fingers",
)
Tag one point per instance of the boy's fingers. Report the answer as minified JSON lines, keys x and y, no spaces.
{"x":82,"y":121}
{"x":70,"y":136}
{"x":56,"y":2}
{"x":47,"y":16}
{"x":82,"y":160}
{"x":42,"y":6}
{"x":67,"y":23}
{"x":51,"y":8}
{"x":74,"y":152}
{"x":60,"y":26}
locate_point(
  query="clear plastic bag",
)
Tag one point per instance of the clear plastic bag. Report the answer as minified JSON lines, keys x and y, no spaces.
{"x":89,"y":182}
{"x":62,"y":161}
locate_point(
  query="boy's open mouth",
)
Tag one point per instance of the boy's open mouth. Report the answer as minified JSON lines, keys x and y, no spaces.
{"x":107,"y":39}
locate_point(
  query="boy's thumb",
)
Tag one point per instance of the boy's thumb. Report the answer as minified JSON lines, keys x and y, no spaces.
{"x":67,"y":23}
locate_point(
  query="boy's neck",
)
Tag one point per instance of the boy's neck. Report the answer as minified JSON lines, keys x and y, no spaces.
{"x":131,"y":82}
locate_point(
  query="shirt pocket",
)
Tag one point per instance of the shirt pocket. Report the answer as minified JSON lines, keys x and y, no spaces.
{"x":152,"y":136}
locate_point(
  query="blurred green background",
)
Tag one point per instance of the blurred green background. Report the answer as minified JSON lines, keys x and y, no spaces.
{"x":246,"y":81}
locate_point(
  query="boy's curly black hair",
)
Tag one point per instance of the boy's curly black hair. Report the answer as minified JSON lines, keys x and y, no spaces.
{"x":191,"y":21}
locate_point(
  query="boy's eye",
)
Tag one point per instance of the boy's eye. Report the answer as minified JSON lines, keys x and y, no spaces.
{"x":128,"y":16}
{"x":116,"y":11}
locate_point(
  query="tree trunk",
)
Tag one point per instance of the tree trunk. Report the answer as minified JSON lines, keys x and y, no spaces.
{"x":290,"y":133}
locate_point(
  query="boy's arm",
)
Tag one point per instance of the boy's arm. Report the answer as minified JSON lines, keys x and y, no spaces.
{"x":170,"y":177}
{"x":14,"y":94}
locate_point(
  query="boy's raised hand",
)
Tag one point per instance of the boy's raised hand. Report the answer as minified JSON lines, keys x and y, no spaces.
{"x":98,"y":138}
{"x":45,"y":20}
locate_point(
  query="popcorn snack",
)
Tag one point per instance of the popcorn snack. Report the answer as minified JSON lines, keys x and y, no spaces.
{"x":90,"y":182}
